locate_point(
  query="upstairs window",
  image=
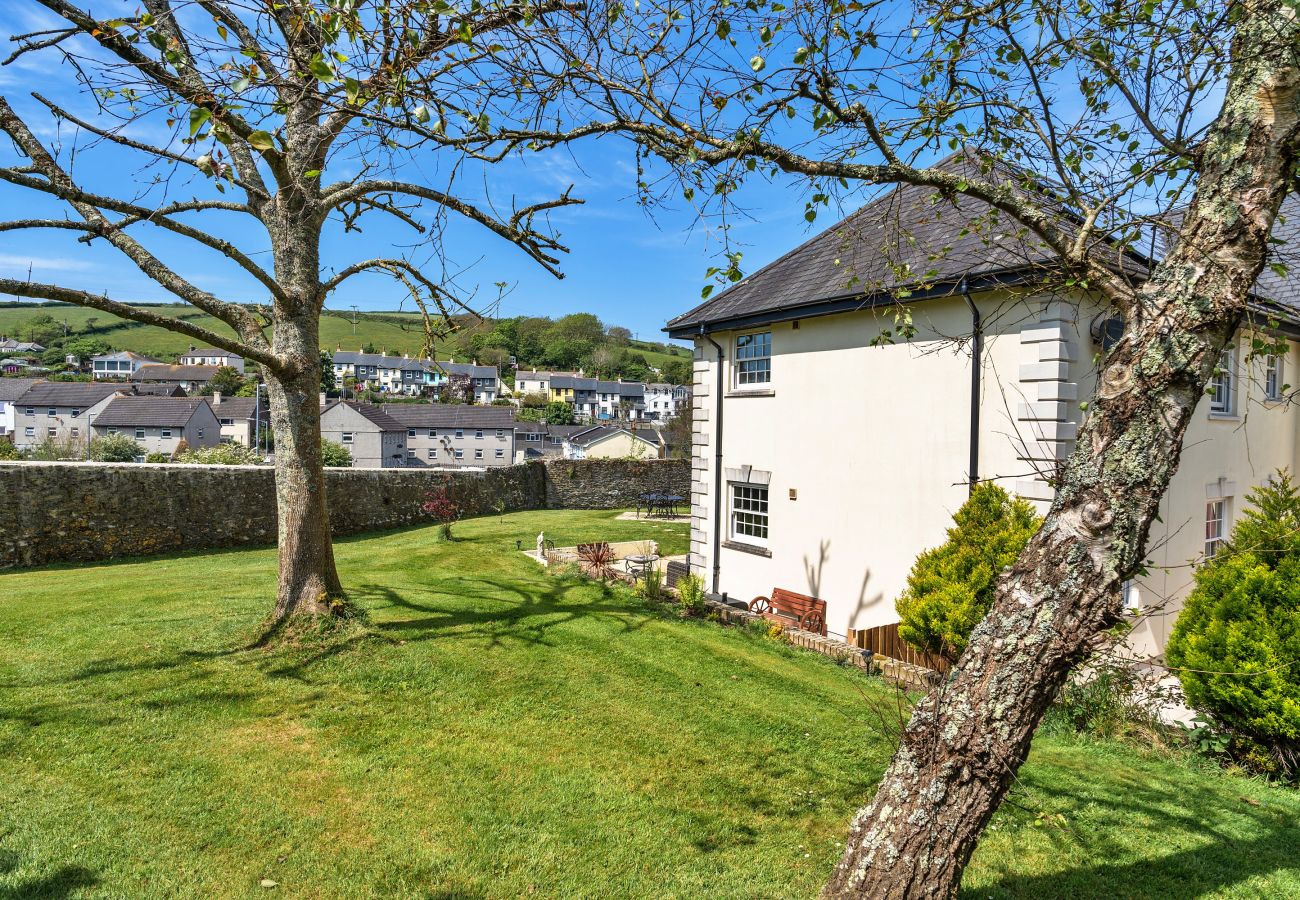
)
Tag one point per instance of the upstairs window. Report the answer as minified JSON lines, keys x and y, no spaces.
{"x":1223,"y":387}
{"x":1216,"y":516}
{"x":749,"y":513}
{"x":1273,"y":378}
{"x":139,"y":432}
{"x":347,"y":437}
{"x":754,"y":359}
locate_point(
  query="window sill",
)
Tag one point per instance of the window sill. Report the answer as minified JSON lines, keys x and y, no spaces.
{"x":747,"y":548}
{"x":1224,"y":417}
{"x":759,"y":392}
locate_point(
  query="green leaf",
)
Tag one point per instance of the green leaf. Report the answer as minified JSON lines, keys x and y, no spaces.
{"x":800,"y":55}
{"x":421,"y":113}
{"x":321,"y":68}
{"x":757,"y":63}
{"x":261,"y":140}
{"x":198,"y":116}
{"x":311,"y":173}
{"x":724,"y":28}
{"x":241,"y":84}
{"x":352,"y":88}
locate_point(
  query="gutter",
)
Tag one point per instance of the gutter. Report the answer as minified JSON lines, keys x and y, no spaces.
{"x":717,"y":463}
{"x":977,"y":351}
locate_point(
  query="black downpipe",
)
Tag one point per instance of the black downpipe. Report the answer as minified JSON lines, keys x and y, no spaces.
{"x":977,"y":350}
{"x":717,"y":464}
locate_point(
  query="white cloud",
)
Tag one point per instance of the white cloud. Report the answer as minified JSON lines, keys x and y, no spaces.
{"x":12,"y":263}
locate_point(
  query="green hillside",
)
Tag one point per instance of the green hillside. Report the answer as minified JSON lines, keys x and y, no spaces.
{"x":395,"y":332}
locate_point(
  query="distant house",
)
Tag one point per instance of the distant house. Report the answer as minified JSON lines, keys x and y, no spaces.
{"x":117,"y":366}
{"x":159,"y":424}
{"x":665,"y":401}
{"x":456,"y":435}
{"x":60,"y":410}
{"x":537,"y":440}
{"x":11,"y":347}
{"x":148,"y":389}
{"x":239,"y":418}
{"x":18,"y":366}
{"x":375,"y":439}
{"x":210,"y":356}
{"x":10,"y":390}
{"x":405,"y":375}
{"x":613,"y":442}
{"x":191,"y":378}
{"x":484,"y":380}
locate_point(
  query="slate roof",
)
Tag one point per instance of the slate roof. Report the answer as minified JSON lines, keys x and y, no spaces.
{"x":382,"y":360}
{"x":599,"y":432}
{"x":156,"y":390}
{"x":206,"y":352}
{"x":238,"y":408}
{"x":370,"y":412}
{"x":447,"y":415}
{"x":124,"y":355}
{"x":131,"y":412}
{"x":902,"y":240}
{"x":473,"y":371}
{"x":69,"y":393}
{"x":13,"y":388}
{"x":164,"y":372}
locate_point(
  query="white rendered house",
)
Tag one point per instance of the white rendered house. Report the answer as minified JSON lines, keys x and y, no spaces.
{"x":833,"y":493}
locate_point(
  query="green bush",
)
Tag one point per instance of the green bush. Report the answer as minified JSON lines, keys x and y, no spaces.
{"x":114,"y":448}
{"x":157,"y":458}
{"x":690,"y":590}
{"x":333,"y":454}
{"x":8,"y":450}
{"x":951,"y":587}
{"x":1236,"y":644}
{"x":222,"y":455}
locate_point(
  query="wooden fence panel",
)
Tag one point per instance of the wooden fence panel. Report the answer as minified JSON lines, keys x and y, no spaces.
{"x":885,"y":640}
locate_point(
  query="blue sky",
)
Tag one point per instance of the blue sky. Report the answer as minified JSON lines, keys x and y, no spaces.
{"x":628,"y":267}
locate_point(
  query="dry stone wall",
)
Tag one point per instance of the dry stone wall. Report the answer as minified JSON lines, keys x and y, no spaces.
{"x":67,"y":512}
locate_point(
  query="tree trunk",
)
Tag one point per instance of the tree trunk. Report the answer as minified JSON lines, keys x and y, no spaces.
{"x":309,"y":582}
{"x":965,"y":742}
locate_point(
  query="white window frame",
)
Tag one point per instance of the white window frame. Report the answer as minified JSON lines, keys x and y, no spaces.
{"x":1216,"y":525}
{"x":1273,"y":368}
{"x":29,"y":431}
{"x":478,"y":452}
{"x":460,"y":454}
{"x":752,"y":360}
{"x":140,"y":432}
{"x":749,"y":513}
{"x":432,"y":453}
{"x":501,"y":453}
{"x":345,"y":437}
{"x":165,"y":433}
{"x":410,"y":432}
{"x":1223,"y":383}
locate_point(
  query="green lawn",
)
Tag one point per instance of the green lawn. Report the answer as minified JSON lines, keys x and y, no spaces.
{"x":509,"y":733}
{"x":399,"y":332}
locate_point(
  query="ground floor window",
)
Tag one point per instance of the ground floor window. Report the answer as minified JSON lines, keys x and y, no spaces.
{"x":1216,"y":515}
{"x":749,"y":515}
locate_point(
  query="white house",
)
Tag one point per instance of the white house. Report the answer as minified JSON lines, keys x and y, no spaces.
{"x":613,"y":442}
{"x":834,"y":493}
{"x":117,"y":366}
{"x":664,"y":401}
{"x":211,"y":356}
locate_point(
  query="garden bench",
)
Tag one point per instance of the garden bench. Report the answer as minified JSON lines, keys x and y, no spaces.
{"x":791,"y":609}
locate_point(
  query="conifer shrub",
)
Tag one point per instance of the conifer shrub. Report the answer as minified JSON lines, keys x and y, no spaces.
{"x":1236,"y":644}
{"x":951,"y":587}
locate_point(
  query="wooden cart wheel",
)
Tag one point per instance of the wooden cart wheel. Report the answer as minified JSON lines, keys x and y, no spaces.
{"x":760,"y":605}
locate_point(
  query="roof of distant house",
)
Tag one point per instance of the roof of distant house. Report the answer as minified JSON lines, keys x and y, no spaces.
{"x":165,"y":372}
{"x":13,"y":388}
{"x":120,"y":355}
{"x":157,"y":390}
{"x":136,"y":411}
{"x":370,"y":412}
{"x":70,"y":393}
{"x":451,"y":415}
{"x":595,"y":433}
{"x":208,"y":353}
{"x":240,"y":408}
{"x":9,"y":345}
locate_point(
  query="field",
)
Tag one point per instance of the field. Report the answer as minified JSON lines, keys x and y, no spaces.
{"x":500,"y":732}
{"x":396,"y":332}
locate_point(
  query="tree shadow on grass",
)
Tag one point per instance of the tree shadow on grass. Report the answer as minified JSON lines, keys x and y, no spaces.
{"x":1239,"y":842}
{"x":60,"y":883}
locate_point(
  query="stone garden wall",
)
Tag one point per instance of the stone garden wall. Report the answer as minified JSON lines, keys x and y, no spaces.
{"x":611,"y":483}
{"x":62,"y":512}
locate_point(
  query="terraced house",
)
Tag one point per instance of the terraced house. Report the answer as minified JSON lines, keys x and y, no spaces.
{"x":160,"y":424}
{"x":60,"y":411}
{"x":844,"y":519}
{"x":414,"y":377}
{"x":456,"y":436}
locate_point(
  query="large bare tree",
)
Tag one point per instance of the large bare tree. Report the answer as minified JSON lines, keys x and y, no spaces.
{"x":259,"y":103}
{"x":1096,"y":123}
